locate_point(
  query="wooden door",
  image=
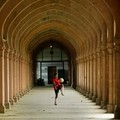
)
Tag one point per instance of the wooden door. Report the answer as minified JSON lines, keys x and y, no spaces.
{"x":51,"y":71}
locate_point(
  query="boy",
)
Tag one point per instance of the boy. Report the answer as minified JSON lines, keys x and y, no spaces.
{"x":57,"y":86}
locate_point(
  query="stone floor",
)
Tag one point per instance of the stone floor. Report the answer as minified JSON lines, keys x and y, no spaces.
{"x":38,"y":104}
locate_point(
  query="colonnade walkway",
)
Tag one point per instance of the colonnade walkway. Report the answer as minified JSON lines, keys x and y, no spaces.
{"x":38,"y":104}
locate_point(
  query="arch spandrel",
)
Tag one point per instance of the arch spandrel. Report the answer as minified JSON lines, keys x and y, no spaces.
{"x":115,"y":8}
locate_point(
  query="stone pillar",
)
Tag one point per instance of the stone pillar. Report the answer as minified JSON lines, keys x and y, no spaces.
{"x":91,"y":78}
{"x":94,"y":78}
{"x":11,"y":77}
{"x":103,"y":78}
{"x":117,"y":76}
{"x":82,"y":75}
{"x":26,"y":77}
{"x":28,"y":74}
{"x":6,"y":74}
{"x":85,"y":75}
{"x":31,"y":73}
{"x":110,"y":78}
{"x":88,"y":78}
{"x":14,"y":77}
{"x":20,"y":76}
{"x":74,"y":74}
{"x":78,"y":71}
{"x":2,"y":89}
{"x":98,"y":100}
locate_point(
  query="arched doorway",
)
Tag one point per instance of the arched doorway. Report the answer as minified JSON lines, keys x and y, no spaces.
{"x":50,"y":57}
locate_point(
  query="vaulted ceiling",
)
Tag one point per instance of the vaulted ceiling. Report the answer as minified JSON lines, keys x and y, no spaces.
{"x":81,"y":26}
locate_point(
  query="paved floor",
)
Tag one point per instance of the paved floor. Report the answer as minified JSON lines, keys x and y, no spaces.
{"x":38,"y":104}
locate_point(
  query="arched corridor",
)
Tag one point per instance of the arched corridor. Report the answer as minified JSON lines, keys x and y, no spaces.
{"x":88,"y":31}
{"x":38,"y":104}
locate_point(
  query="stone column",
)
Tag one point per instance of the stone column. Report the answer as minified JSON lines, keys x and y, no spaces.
{"x":98,"y":100}
{"x":77,"y":87}
{"x":11,"y":77}
{"x":82,"y":75}
{"x":88,"y":76}
{"x":74,"y":74}
{"x":20,"y":76}
{"x":85,"y":75}
{"x":23,"y":77}
{"x":6,"y":74}
{"x":28,"y":75}
{"x":2,"y":89}
{"x":17,"y":77}
{"x":103,"y":78}
{"x":14,"y":77}
{"x":110,"y":78}
{"x":91,"y":78}
{"x":31,"y":74}
{"x":117,"y":76}
{"x":94,"y":77}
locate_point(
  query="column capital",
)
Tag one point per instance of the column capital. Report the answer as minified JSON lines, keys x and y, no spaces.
{"x":103,"y":50}
{"x":2,"y":46}
{"x":110,"y":47}
{"x":88,"y":58}
{"x":7,"y":51}
{"x":77,"y":60}
{"x":2,"y":49}
{"x":98,"y":54}
{"x":18,"y":57}
{"x":117,"y":44}
{"x":11,"y":54}
{"x":91,"y":57}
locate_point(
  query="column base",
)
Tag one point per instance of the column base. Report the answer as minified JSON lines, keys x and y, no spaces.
{"x":23,"y":93}
{"x":28,"y":89}
{"x":18,"y":97}
{"x":90,"y":96}
{"x":7,"y":105}
{"x":98,"y":101}
{"x":15,"y":99}
{"x":110,"y":108}
{"x":117,"y":112}
{"x":87,"y":94}
{"x":12,"y":102}
{"x":84,"y":92}
{"x":78,"y":89}
{"x":20,"y":94}
{"x":81,"y":91}
{"x":94,"y":98}
{"x":103,"y":104}
{"x":2,"y":109}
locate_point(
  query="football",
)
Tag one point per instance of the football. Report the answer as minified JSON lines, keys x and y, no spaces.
{"x":61,"y":80}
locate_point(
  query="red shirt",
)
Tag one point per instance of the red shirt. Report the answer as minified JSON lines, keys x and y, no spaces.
{"x":56,"y":82}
